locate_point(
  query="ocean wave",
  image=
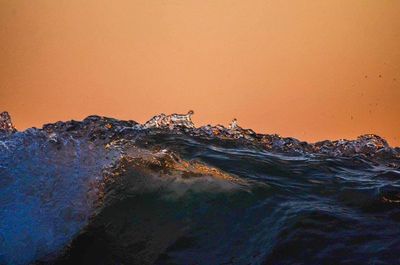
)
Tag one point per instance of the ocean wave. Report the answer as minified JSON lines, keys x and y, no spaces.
{"x":106,"y":191}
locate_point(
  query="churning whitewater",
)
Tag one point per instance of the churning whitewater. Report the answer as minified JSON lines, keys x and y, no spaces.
{"x":106,"y":191}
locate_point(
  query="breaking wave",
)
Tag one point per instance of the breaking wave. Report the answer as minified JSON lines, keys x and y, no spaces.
{"x":106,"y":191}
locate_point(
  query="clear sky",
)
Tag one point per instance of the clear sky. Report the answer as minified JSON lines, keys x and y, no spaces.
{"x":307,"y":69}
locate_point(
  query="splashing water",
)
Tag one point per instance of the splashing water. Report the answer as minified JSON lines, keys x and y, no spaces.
{"x":105,"y":191}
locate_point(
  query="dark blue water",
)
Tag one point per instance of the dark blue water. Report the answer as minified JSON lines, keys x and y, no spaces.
{"x":104,"y":191}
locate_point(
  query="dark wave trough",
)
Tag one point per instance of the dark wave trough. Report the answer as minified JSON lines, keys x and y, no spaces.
{"x":106,"y":191}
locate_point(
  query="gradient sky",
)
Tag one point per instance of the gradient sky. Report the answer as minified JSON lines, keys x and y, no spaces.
{"x":308,"y":69}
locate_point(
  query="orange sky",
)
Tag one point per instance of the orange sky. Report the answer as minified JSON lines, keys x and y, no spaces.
{"x":308,"y":69}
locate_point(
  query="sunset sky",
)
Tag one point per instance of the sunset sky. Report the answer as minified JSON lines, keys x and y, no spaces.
{"x":312,"y":70}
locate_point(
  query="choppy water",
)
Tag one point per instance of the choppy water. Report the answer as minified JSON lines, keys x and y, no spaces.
{"x":105,"y":191}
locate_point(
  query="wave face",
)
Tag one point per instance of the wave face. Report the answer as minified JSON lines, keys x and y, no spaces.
{"x":105,"y":191}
